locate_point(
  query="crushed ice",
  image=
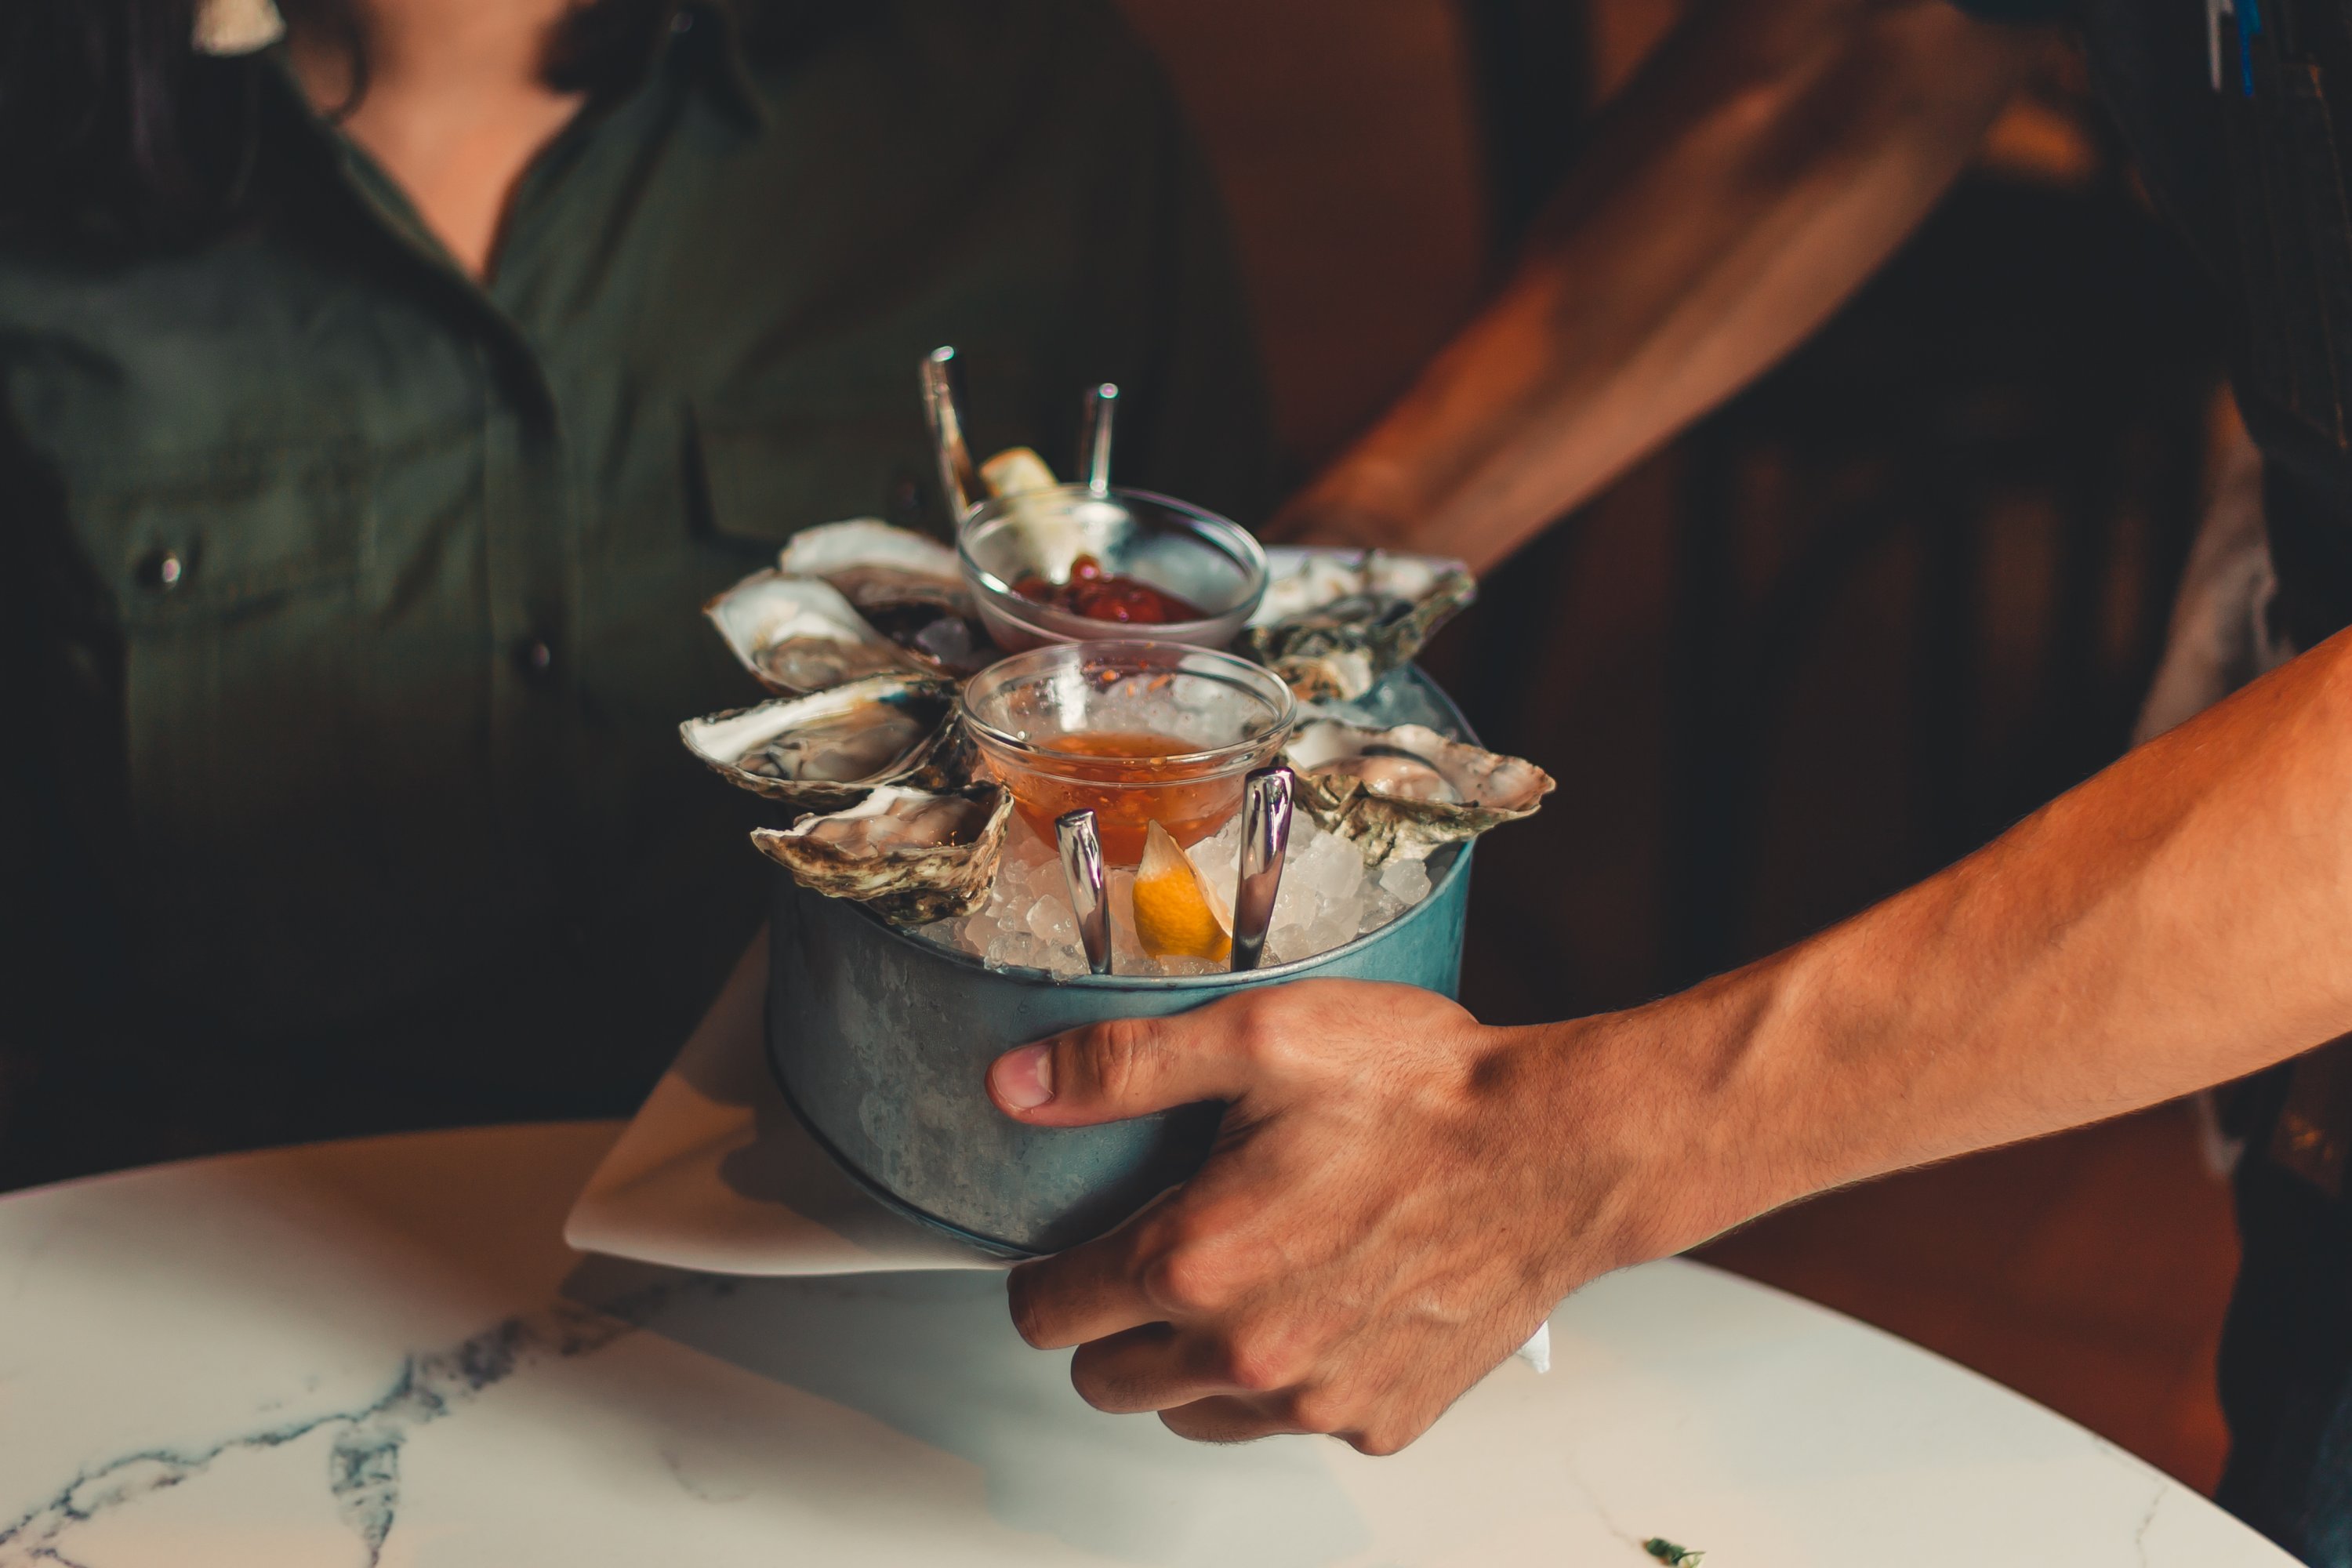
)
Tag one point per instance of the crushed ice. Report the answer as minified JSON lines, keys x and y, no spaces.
{"x":1328,"y":898}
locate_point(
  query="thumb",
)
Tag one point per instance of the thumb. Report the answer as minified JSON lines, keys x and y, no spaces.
{"x":1121,"y":1067}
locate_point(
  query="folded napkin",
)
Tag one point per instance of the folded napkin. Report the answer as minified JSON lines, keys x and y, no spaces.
{"x":715,"y":1174}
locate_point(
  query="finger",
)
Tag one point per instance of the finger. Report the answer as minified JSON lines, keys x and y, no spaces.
{"x":1123,"y":1067}
{"x":1225,"y":1418}
{"x":1154,"y":1367}
{"x":1242,"y":1419}
{"x":1082,"y":1294}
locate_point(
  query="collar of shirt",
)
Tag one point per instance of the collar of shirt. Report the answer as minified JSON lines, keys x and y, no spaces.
{"x":705,"y":41}
{"x":703,"y":51}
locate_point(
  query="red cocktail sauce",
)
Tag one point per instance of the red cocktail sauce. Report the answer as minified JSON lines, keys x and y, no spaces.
{"x":1099,"y":595}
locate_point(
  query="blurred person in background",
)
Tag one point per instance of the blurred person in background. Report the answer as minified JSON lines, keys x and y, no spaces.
{"x":1401,"y":1194}
{"x":382,"y":390}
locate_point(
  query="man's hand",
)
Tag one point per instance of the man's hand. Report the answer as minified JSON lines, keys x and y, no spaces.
{"x":1393,"y":1205}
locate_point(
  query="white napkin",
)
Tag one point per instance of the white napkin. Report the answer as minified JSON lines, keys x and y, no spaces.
{"x":715,"y":1174}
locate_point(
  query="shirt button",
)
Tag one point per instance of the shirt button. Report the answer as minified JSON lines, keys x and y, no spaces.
{"x":161,"y":570}
{"x":681,"y":22}
{"x":535,"y":656}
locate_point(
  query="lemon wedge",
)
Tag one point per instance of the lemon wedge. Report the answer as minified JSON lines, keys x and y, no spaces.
{"x":1178,"y":915}
{"x":1015,"y":470}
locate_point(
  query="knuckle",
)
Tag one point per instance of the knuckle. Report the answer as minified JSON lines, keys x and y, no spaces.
{"x":1116,"y":1057}
{"x":1322,"y":1408}
{"x":1271,"y":1042}
{"x":1257,"y":1362}
{"x":1188,"y":1276}
{"x":1379,"y":1442}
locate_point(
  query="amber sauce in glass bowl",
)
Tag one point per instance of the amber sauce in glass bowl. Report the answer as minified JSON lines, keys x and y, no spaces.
{"x":1135,"y":731}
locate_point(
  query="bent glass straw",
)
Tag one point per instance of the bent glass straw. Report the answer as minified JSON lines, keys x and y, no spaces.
{"x":942,"y":381}
{"x":1094,"y":437}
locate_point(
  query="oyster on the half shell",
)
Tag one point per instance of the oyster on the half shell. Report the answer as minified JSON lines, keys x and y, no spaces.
{"x":913,"y":856}
{"x":906,"y":586}
{"x":1403,"y":792}
{"x":799,"y":635}
{"x":1330,"y":624}
{"x":829,"y":749}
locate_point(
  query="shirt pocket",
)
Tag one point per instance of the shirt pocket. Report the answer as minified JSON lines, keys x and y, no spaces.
{"x":236,"y":575}
{"x":763,"y":471}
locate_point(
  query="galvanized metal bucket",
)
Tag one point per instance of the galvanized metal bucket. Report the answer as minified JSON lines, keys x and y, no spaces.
{"x":881,"y":1041}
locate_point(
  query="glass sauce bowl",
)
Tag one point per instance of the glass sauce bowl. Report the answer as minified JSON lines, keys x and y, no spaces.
{"x":1207,"y":561}
{"x":1137,"y":732}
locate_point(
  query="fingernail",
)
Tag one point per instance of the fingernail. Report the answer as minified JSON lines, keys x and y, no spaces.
{"x":1024,"y":1079}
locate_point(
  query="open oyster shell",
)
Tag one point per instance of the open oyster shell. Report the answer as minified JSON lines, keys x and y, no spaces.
{"x":1401,"y":793}
{"x":913,"y":856}
{"x":1330,"y":624}
{"x":906,"y":586}
{"x":799,"y":635}
{"x":831,"y":748}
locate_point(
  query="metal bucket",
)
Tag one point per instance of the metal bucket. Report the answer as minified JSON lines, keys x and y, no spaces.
{"x":880,"y":1043}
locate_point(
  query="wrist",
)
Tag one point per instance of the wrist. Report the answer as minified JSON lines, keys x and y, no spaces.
{"x":1672,"y":1117}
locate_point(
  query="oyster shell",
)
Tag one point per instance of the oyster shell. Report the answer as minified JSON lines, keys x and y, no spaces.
{"x":1331,"y":623}
{"x":906,"y":586}
{"x":913,"y":856}
{"x":1405,"y":790}
{"x":830,"y":750}
{"x":799,"y":635}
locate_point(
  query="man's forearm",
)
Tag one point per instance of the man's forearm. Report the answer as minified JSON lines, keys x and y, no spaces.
{"x":1760,"y":168}
{"x":2181,"y":919}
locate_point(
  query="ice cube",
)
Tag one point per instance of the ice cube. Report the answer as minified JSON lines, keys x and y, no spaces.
{"x":1407,"y":881}
{"x":1051,"y":920}
{"x":1329,"y":869}
{"x":1288,"y":946}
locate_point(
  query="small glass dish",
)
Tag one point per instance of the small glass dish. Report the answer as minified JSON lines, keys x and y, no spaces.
{"x":1207,"y":561}
{"x":1137,"y":732}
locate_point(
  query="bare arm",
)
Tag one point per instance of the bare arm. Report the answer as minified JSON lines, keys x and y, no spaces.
{"x":1761,"y":167}
{"x":2179,"y":920}
{"x":1400,"y":1195}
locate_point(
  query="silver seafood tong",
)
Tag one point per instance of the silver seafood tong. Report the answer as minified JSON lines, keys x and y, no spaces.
{"x":1082,"y":866}
{"x":1265,"y":838}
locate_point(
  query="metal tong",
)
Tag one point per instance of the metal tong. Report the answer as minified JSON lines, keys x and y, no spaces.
{"x":942,"y":378}
{"x":1266,"y":837}
{"x":1082,"y":866}
{"x":1094,"y":436}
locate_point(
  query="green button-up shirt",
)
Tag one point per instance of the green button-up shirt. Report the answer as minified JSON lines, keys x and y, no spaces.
{"x":356,"y":604}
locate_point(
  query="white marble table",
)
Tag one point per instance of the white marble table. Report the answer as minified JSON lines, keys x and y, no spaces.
{"x":376,"y":1352}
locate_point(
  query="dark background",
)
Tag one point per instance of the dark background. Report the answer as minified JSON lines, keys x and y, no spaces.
{"x":1904,"y":590}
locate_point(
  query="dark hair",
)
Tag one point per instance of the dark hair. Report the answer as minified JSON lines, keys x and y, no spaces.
{"x":113,"y":128}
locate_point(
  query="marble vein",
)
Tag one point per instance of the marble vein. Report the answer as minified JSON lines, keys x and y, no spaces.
{"x":2147,"y":1520}
{"x":1592,"y":1503}
{"x":364,"y":1466}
